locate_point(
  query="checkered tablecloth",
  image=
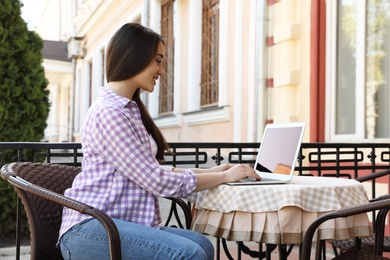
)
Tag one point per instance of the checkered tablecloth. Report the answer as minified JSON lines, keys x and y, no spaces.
{"x":280,"y":214}
{"x":313,"y":194}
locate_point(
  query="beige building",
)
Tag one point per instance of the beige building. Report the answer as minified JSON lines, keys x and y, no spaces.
{"x":234,"y":65}
{"x":58,"y":71}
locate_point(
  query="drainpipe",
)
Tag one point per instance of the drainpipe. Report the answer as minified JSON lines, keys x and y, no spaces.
{"x":74,"y":53}
{"x":72,"y":101}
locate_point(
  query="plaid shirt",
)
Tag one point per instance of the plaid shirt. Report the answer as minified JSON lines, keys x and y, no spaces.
{"x":120,"y":174}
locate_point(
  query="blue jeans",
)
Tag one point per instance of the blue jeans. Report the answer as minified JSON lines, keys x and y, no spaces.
{"x":88,"y":240}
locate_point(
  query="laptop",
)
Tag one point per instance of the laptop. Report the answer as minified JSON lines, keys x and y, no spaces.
{"x":277,"y":156}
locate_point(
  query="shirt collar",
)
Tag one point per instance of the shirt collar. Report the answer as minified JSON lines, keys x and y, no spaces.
{"x":115,"y":98}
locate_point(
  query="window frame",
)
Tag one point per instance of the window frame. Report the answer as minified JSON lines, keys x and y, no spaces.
{"x":167,"y":93}
{"x":331,"y":74}
{"x":209,"y":95}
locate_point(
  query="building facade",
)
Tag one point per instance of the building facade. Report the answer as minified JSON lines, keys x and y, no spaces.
{"x":233,"y":66}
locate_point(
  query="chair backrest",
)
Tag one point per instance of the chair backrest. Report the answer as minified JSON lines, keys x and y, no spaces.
{"x":382,"y":204}
{"x":44,"y":216}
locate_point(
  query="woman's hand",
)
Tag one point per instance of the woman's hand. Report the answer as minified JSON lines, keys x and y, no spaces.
{"x":222,"y":174}
{"x":239,"y":172}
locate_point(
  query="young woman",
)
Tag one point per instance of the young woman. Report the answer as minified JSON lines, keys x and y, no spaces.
{"x":121,"y":172}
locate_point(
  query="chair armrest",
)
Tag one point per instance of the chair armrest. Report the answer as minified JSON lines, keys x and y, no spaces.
{"x":107,"y":222}
{"x":383,"y":197}
{"x":342,"y":213}
{"x":373,"y":175}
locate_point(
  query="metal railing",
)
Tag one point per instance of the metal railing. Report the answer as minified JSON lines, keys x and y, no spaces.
{"x":321,"y":159}
{"x":347,"y":160}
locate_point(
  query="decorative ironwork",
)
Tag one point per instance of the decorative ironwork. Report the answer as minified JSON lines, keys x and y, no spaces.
{"x":217,"y":158}
{"x":349,"y":160}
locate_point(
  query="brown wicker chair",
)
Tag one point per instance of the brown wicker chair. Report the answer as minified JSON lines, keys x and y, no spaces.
{"x":368,"y":242}
{"x":357,"y":252}
{"x":40,"y":187}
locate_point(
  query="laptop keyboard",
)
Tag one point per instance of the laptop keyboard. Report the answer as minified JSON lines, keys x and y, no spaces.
{"x":252,"y":179}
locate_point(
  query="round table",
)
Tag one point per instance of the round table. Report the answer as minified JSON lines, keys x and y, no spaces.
{"x":280,"y":214}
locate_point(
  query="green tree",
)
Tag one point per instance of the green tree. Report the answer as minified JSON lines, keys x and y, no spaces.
{"x":24,"y":104}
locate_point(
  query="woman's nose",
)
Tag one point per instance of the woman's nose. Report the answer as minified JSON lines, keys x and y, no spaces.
{"x":161,"y":71}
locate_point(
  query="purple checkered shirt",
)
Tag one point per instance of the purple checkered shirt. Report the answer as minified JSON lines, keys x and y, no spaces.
{"x":120,"y":175}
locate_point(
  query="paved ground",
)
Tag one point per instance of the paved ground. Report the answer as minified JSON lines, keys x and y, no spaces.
{"x":9,"y":253}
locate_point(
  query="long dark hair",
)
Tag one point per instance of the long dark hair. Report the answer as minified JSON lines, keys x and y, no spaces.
{"x":130,"y":51}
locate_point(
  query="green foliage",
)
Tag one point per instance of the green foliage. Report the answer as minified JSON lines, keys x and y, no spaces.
{"x":24,"y":104}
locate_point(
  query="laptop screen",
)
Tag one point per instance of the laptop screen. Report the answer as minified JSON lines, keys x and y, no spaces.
{"x":279,"y":148}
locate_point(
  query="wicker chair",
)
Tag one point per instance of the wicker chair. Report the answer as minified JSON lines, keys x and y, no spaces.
{"x":368,"y":242}
{"x":357,"y":252}
{"x":40,"y":187}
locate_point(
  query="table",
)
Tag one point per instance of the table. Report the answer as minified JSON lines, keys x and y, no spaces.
{"x":280,"y":214}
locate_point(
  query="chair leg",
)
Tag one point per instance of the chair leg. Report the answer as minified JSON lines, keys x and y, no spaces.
{"x":336,"y":253}
{"x":323,"y":246}
{"x":318,"y":249}
{"x":358,"y":243}
{"x":282,"y":252}
{"x":268,"y":251}
{"x":380,"y":232}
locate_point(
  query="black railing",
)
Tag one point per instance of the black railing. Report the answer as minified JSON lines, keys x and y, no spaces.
{"x":64,"y":153}
{"x":321,"y":159}
{"x":348,"y":160}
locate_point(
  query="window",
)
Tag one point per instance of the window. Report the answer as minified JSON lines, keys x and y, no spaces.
{"x":210,"y":53}
{"x":166,"y":93}
{"x":359,"y":69}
